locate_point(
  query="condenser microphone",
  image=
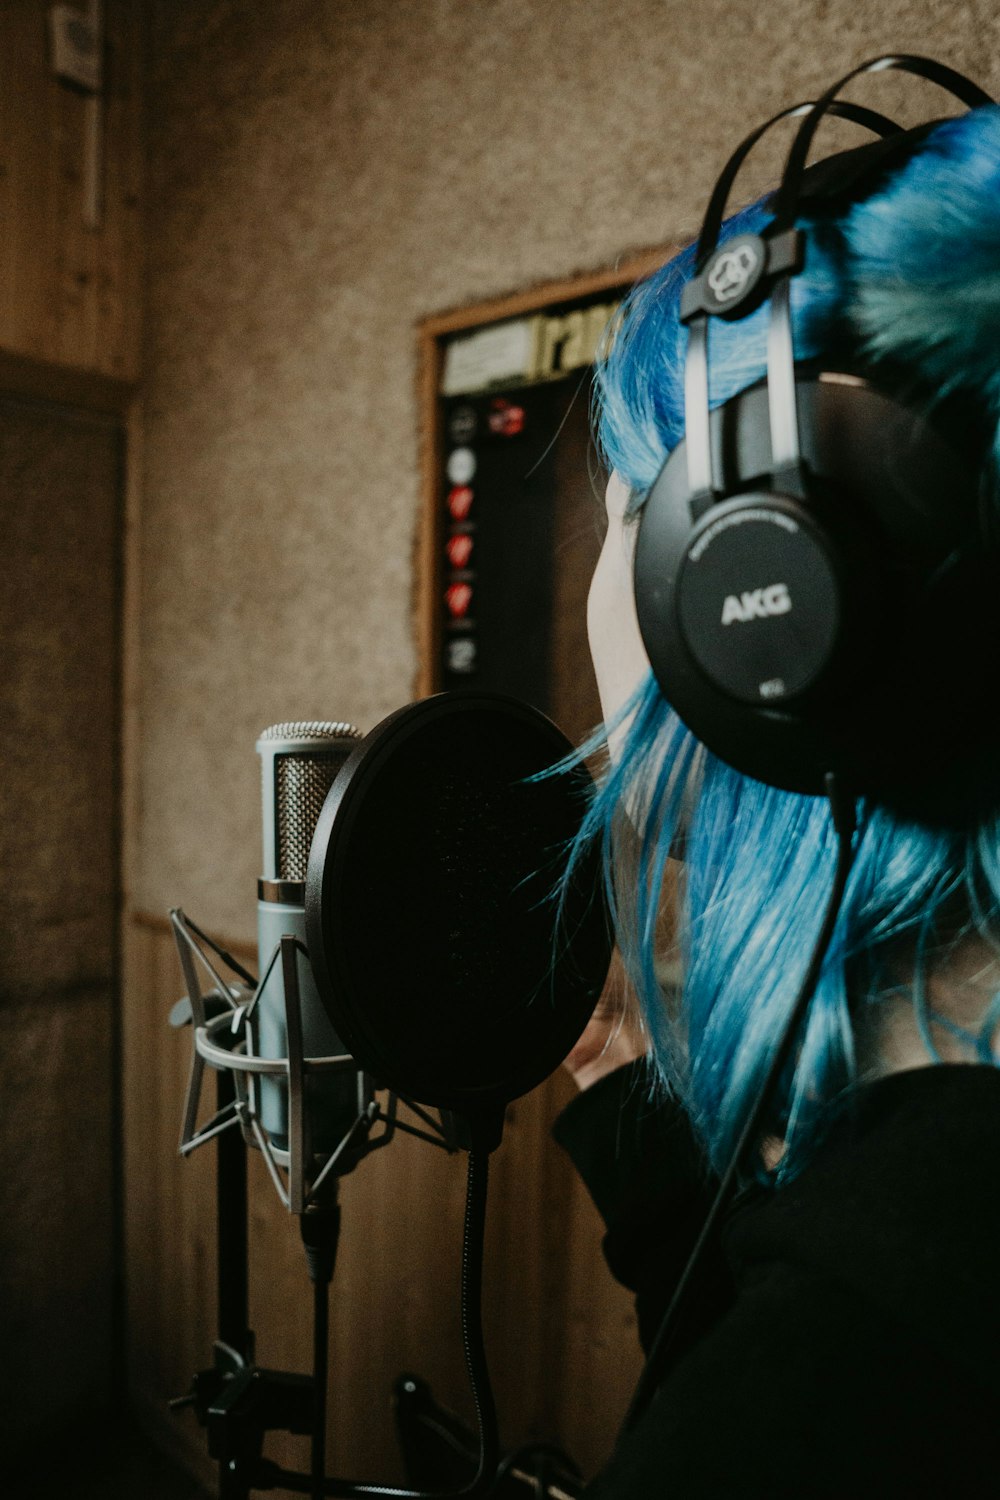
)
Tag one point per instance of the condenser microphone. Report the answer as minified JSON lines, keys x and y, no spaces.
{"x":299,"y":762}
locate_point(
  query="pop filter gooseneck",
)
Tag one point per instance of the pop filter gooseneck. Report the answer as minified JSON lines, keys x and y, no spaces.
{"x":434,"y":939}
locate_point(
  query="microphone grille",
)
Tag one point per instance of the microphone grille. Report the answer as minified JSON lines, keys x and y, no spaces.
{"x":303,"y":729}
{"x":303,"y":774}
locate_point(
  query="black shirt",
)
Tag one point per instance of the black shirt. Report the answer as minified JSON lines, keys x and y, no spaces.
{"x":844,"y":1339}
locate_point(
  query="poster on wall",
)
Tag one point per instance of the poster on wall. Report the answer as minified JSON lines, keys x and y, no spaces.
{"x":520,"y":518}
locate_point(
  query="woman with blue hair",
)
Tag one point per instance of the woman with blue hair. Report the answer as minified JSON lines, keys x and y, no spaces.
{"x":842,"y":1333}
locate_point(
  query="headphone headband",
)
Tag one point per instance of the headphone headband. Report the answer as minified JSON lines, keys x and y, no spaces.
{"x":953,"y":82}
{"x":711,"y":227}
{"x":762,"y":260}
{"x":733,"y":282}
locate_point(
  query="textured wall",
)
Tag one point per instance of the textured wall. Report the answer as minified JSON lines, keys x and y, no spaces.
{"x":323,"y":174}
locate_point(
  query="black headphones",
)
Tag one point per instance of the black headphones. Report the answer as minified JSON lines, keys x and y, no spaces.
{"x":811,"y":563}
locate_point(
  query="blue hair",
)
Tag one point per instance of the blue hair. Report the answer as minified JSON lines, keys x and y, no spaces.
{"x":910,"y":274}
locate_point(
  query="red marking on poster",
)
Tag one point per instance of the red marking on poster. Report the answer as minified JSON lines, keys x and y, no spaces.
{"x":506,"y":419}
{"x":459,"y":550}
{"x":459,"y":501}
{"x":458,"y":597}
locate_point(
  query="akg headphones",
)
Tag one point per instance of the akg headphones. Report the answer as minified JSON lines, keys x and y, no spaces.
{"x":811,"y":564}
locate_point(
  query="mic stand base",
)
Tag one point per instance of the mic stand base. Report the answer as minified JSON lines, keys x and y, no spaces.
{"x":239,"y":1403}
{"x":252,"y":1403}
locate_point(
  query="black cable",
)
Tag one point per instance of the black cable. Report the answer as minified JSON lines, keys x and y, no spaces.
{"x":472,"y":1319}
{"x":842,"y":809}
{"x":475,"y":1357}
{"x":321,"y":1361}
{"x":319,"y":1227}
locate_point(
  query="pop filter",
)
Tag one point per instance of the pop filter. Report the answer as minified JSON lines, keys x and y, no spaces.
{"x":434,"y":935}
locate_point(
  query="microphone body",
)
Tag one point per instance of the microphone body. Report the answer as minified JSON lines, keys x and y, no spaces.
{"x":299,"y":762}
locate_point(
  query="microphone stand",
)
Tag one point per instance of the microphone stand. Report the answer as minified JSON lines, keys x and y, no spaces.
{"x":236,"y":1400}
{"x":232,"y":1250}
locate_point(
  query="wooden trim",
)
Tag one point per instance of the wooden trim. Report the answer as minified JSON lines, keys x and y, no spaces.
{"x":534,"y":299}
{"x":85,"y":389}
{"x":427,"y":573}
{"x":131,"y":627}
{"x":431,"y":334}
{"x":242,"y":948}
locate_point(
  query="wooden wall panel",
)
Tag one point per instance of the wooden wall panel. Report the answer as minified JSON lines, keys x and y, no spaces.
{"x":69,"y":294}
{"x":560,"y":1333}
{"x":169,"y":1203}
{"x":60,"y":510}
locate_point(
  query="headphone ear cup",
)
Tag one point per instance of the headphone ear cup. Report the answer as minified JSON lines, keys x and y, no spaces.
{"x":867,"y":595}
{"x":720,"y":623}
{"x":759,"y":599}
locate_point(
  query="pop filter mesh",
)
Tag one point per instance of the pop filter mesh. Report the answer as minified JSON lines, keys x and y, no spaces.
{"x":432,"y":926}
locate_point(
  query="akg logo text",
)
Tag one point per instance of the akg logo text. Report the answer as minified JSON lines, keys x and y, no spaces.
{"x":756,"y":604}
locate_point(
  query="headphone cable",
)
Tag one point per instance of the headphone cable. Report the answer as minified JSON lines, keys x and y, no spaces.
{"x":843,"y":812}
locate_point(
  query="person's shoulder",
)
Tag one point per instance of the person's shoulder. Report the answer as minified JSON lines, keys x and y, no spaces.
{"x":897,"y":1205}
{"x":928,"y":1130}
{"x":967,"y":1088}
{"x":857,"y":1356}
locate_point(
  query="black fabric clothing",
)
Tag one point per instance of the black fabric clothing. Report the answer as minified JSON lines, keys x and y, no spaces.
{"x":844,"y":1339}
